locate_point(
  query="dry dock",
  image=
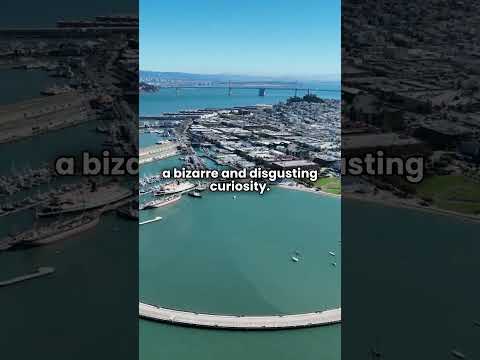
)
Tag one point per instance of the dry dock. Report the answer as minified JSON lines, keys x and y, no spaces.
{"x":232,"y":322}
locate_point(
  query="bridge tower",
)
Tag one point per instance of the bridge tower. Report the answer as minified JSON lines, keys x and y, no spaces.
{"x":229,"y":88}
{"x":295,"y":92}
{"x":262,"y":92}
{"x":177,"y":91}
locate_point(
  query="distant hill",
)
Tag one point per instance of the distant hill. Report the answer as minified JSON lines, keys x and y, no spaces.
{"x":181,"y":76}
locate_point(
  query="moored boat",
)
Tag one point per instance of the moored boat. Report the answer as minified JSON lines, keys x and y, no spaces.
{"x":160,"y":202}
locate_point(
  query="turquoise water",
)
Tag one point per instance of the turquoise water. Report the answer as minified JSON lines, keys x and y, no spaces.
{"x":154,"y":168}
{"x":160,"y":341}
{"x":233,"y":256}
{"x":167,"y":100}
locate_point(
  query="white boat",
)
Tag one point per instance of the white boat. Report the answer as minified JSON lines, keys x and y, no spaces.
{"x":195,"y":194}
{"x":160,"y":202}
{"x":331,"y":253}
{"x":295,"y":259}
{"x":175,"y":188}
{"x":202,"y":187}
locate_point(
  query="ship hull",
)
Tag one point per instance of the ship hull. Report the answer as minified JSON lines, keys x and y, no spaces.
{"x":165,"y":203}
{"x":58,"y":236}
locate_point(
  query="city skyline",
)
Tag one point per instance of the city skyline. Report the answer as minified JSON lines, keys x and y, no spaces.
{"x":277,"y":39}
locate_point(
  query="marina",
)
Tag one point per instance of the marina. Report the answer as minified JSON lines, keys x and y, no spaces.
{"x":244,"y":234}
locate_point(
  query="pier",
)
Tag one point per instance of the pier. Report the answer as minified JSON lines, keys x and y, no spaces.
{"x":151,"y":220}
{"x":40,"y":115}
{"x":42,"y":271}
{"x":158,"y":152}
{"x":235,"y":322}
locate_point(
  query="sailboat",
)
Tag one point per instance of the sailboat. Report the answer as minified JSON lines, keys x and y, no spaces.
{"x":296,"y":257}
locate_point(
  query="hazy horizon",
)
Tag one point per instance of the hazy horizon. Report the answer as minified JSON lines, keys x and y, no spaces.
{"x":285,"y":77}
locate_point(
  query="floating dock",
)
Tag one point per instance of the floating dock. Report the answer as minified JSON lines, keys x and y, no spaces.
{"x":234,"y":322}
{"x":151,"y":220}
{"x":41,"y":271}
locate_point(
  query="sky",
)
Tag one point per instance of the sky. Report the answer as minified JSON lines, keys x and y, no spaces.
{"x":249,"y":37}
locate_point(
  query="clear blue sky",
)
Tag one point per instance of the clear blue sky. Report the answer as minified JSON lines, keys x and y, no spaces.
{"x":255,"y":37}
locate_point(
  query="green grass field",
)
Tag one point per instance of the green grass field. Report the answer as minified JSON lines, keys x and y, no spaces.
{"x":329,"y":184}
{"x":452,"y":192}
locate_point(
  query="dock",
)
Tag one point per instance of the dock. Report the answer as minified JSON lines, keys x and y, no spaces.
{"x":40,"y":115}
{"x":235,"y":322}
{"x":158,"y":152}
{"x":41,"y":271}
{"x":151,"y":220}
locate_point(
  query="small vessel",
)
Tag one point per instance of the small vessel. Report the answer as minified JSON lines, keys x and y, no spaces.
{"x":234,"y":197}
{"x":151,"y":220}
{"x":202,"y":187}
{"x":458,"y":354}
{"x":332,"y":253}
{"x":160,"y":202}
{"x":334,"y":264}
{"x":296,"y":257}
{"x":175,"y":188}
{"x":56,"y":90}
{"x":101,"y":129}
{"x":195,"y":194}
{"x":52,"y":232}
